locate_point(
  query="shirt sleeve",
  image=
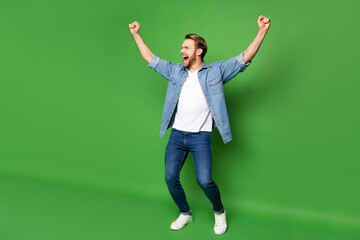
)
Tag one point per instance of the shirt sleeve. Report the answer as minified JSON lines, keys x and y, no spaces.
{"x":241,"y":61}
{"x":233,"y":66}
{"x":161,"y":66}
{"x":154,"y":62}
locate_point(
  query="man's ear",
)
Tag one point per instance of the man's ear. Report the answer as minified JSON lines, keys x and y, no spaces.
{"x":199,"y":51}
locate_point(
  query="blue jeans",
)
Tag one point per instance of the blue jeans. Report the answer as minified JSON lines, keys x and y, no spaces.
{"x":179,"y":145}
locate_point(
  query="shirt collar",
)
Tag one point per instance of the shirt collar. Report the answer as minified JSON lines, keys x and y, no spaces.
{"x":204,"y":65}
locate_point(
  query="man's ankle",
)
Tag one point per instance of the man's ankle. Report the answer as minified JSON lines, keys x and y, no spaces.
{"x":220,"y":212}
{"x":186,"y":213}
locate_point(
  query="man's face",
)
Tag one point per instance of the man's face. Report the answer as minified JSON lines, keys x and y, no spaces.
{"x":188,"y":52}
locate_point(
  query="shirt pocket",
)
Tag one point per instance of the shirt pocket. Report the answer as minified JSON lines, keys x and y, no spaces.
{"x":171,"y":89}
{"x":172,"y":81}
{"x":215,"y":85}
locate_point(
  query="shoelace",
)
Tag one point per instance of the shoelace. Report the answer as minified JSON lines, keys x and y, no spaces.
{"x":180,"y":218}
{"x":219,"y":221}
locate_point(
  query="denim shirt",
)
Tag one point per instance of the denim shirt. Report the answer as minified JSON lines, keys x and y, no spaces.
{"x":212,"y":77}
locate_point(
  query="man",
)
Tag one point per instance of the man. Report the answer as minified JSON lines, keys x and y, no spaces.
{"x":194,"y":104}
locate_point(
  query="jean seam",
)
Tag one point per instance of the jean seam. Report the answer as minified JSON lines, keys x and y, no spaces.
{"x":182,"y":162}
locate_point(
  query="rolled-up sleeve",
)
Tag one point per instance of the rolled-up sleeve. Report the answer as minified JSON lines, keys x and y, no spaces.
{"x":161,"y":66}
{"x":232,"y":67}
{"x":154,"y":62}
{"x":241,"y":60}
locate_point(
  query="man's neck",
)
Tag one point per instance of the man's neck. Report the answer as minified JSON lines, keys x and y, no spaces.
{"x":196,"y":66}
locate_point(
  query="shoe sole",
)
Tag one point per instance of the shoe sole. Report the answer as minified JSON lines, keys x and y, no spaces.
{"x":190,"y":221}
{"x":221,"y":233}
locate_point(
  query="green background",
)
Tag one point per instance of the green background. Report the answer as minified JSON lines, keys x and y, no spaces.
{"x":80,"y":152}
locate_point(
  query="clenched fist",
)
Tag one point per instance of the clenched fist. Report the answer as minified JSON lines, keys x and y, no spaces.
{"x":134,"y":27}
{"x":263,"y":22}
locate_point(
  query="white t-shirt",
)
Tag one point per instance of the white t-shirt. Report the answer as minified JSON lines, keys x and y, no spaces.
{"x":193,"y":114}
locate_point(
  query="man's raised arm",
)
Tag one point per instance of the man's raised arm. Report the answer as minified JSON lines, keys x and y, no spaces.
{"x":144,"y":50}
{"x":264,"y":24}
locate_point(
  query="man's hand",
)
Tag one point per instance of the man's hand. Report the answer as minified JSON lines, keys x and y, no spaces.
{"x":264,"y":23}
{"x":134,"y":27}
{"x":144,"y":50}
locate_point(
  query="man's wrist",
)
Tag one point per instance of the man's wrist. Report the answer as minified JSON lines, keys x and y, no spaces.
{"x":261,"y":34}
{"x":262,"y":31}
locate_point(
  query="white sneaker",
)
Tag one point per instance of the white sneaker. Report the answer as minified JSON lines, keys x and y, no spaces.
{"x":181,"y":221}
{"x":220,"y":223}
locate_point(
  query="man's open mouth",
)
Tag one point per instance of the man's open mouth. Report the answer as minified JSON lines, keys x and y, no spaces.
{"x":185,"y":58}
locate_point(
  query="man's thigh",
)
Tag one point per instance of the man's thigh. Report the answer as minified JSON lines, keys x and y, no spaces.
{"x":201,"y":151}
{"x":175,"y":154}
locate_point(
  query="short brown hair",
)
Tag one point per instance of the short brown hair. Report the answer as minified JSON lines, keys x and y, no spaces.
{"x":199,"y":43}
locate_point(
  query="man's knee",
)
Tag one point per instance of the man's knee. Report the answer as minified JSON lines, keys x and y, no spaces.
{"x":170,"y":177}
{"x":205,"y":182}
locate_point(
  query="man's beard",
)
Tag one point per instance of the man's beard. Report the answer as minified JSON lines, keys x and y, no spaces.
{"x":192,"y":60}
